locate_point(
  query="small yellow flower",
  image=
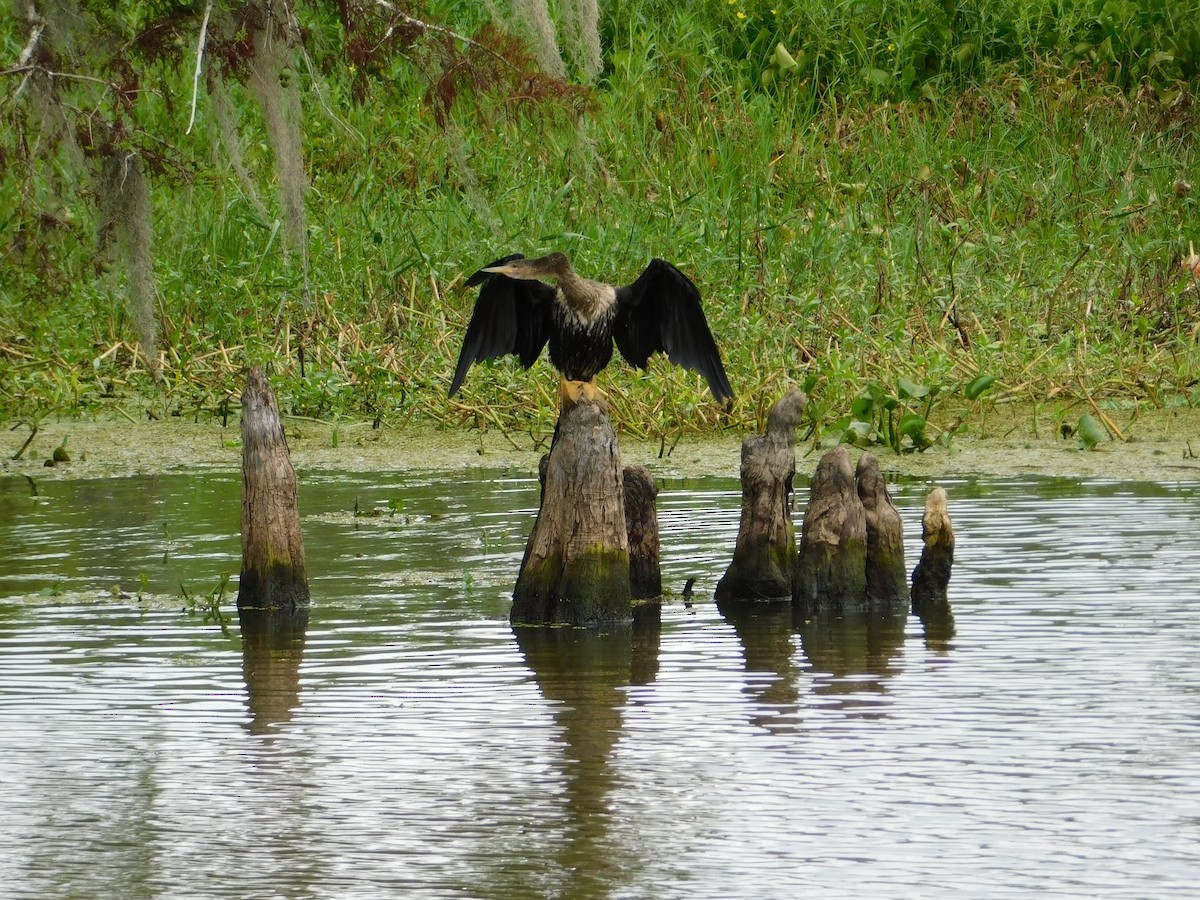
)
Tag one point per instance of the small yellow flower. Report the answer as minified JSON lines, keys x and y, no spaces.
{"x":741,"y":15}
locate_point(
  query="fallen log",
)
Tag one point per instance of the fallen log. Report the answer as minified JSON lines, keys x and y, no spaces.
{"x":576,"y":565}
{"x":273,"y":576}
{"x":764,"y":556}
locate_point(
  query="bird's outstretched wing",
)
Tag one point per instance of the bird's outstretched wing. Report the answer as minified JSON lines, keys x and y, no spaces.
{"x":661,"y":312}
{"x":511,"y":316}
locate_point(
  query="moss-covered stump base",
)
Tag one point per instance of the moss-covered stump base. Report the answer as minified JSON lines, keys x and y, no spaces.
{"x":273,"y":576}
{"x":765,"y":552}
{"x":576,"y":565}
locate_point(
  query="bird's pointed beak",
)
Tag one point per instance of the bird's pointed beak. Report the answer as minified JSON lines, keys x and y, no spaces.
{"x":500,"y":270}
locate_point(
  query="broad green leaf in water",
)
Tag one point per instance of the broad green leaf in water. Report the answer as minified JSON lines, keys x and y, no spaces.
{"x":862,"y":406}
{"x":1090,"y":432}
{"x":913,"y":425}
{"x":860,"y":432}
{"x":977,"y":386}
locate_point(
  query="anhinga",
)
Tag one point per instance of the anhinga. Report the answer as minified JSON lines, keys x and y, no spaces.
{"x":518,"y":314}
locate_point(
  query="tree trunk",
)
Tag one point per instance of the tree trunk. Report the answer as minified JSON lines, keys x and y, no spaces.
{"x":831,"y":572}
{"x":273,"y":576}
{"x":764,"y":556}
{"x":887,"y":579}
{"x":641,"y":528}
{"x":932,"y":574}
{"x":576,"y":565}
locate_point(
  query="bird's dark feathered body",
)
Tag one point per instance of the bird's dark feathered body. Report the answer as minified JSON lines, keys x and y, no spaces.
{"x":580,"y":320}
{"x":580,"y":348}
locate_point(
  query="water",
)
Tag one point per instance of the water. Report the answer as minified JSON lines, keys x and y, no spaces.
{"x":1047,"y":742}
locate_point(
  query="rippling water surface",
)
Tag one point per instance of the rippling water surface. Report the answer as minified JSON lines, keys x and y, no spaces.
{"x":1045,"y":742}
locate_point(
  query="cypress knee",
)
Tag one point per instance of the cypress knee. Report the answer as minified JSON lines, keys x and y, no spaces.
{"x":887,"y":579}
{"x":832,"y":561}
{"x":764,"y":556}
{"x":576,"y":565}
{"x":273,"y":575}
{"x":932,"y":574}
{"x":641,"y":528}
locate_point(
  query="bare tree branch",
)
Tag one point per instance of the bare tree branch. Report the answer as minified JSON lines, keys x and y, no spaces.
{"x":199,"y":61}
{"x":38,"y":25}
{"x":438,"y":29}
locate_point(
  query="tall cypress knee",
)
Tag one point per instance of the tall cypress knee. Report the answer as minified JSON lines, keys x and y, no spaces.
{"x":273,"y":575}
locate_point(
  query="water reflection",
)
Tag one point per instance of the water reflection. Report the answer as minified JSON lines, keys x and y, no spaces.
{"x":582,"y":672}
{"x":845,"y":660}
{"x":409,"y":743}
{"x":272,"y":650}
{"x":853,"y":656}
{"x":765,"y":630}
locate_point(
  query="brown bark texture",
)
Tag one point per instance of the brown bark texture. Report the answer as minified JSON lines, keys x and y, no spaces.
{"x":887,"y":579}
{"x":831,"y":571}
{"x":576,"y":565}
{"x":932,"y":575}
{"x":641,"y":528}
{"x":273,"y":575}
{"x":765,"y":553}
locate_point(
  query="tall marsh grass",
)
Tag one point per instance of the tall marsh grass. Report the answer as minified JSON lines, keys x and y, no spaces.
{"x":885,"y":205}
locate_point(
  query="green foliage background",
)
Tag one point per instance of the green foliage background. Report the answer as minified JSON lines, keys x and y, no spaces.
{"x":868,"y":194}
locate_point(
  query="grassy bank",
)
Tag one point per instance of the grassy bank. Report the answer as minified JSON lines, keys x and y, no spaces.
{"x":880,"y":236}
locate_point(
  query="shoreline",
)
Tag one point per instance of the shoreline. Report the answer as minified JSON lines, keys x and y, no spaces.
{"x":1161,"y":446}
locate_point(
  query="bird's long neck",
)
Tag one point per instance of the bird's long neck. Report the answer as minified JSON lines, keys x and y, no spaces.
{"x":586,"y":299}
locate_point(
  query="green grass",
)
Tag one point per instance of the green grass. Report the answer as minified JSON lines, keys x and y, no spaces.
{"x":1012,"y":214}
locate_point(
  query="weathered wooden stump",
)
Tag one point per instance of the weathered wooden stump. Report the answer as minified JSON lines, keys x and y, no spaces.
{"x":273,"y":577}
{"x":932,"y":574}
{"x":887,"y":579}
{"x":641,"y":528}
{"x":576,"y":565}
{"x":765,"y":553}
{"x":831,"y":568}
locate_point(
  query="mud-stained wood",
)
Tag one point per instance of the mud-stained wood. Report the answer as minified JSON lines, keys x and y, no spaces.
{"x":831,"y":569}
{"x":576,"y":565}
{"x":764,"y":556}
{"x":932,"y":575}
{"x":887,"y":578}
{"x":273,"y":575}
{"x":641,"y":528}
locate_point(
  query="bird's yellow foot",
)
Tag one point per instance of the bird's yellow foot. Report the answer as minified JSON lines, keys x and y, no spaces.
{"x":572,"y":392}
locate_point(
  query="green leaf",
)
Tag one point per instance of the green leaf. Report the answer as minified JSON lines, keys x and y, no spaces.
{"x":878,"y":76}
{"x":783,"y":59}
{"x":976,"y":387}
{"x":862,"y":406}
{"x":907,"y":388}
{"x":1090,"y":432}
{"x":1158,"y":58}
{"x":860,"y":433}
